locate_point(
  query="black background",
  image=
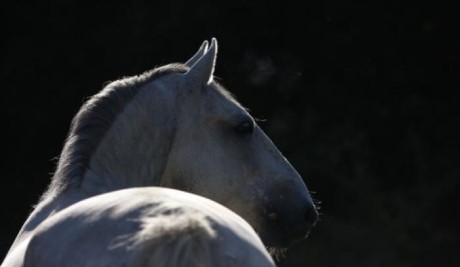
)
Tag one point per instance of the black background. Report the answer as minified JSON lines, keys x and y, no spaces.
{"x":361,"y":96}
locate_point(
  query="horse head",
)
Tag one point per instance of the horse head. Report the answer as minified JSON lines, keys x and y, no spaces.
{"x":220,"y":152}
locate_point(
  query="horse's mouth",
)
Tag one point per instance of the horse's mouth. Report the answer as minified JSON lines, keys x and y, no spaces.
{"x":278,"y":235}
{"x":277,"y":253}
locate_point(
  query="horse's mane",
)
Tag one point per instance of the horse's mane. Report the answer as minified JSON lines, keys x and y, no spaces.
{"x":92,"y":122}
{"x":182,"y":238}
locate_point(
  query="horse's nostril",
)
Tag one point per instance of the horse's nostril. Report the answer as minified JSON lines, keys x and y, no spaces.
{"x":311,"y":216}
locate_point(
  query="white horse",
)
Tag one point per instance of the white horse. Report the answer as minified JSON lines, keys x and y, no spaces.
{"x":146,"y":227}
{"x":175,"y":126}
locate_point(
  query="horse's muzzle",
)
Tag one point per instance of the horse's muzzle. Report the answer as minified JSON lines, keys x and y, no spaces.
{"x":288,"y":222}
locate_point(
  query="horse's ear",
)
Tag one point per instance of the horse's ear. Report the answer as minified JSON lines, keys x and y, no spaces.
{"x":203,"y":69}
{"x":198,"y":54}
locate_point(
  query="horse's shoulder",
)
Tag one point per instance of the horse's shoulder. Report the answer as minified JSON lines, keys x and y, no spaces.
{"x":107,"y":228}
{"x":85,"y":231}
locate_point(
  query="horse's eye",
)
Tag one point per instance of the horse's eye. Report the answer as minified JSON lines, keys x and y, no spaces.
{"x":245,"y":127}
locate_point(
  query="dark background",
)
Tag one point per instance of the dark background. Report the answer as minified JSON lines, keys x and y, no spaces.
{"x":361,"y":96}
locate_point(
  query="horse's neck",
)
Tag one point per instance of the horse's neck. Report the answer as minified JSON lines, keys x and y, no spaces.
{"x":44,"y":209}
{"x":135,"y":150}
{"x":133,"y":153}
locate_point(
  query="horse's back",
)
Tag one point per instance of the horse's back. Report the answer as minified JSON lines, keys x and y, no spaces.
{"x":141,"y":226}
